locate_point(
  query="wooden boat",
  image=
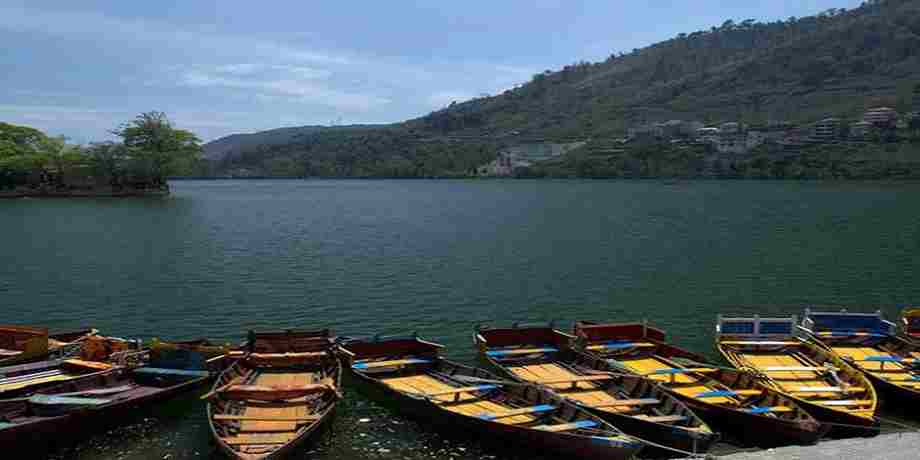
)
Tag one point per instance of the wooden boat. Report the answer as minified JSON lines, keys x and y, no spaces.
{"x":869,"y":343}
{"x":910,"y":323}
{"x":821,"y":382}
{"x":93,"y":399}
{"x":277,"y":396}
{"x":97,"y":354}
{"x":734,"y":403}
{"x":409,"y":375}
{"x":542,"y":355}
{"x":22,"y":344}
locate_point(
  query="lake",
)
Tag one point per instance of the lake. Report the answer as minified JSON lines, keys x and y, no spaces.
{"x":439,"y":257}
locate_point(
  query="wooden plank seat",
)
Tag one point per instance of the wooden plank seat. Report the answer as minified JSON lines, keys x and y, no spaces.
{"x":165,"y":371}
{"x":94,"y":365}
{"x":273,"y":393}
{"x":456,"y":392}
{"x":258,"y":439}
{"x":887,"y":359}
{"x":520,"y":351}
{"x":515,"y":412}
{"x":767,"y":410}
{"x":627,"y":403}
{"x":581,"y":424}
{"x":727,"y":393}
{"x":619,"y":346}
{"x":844,"y":403}
{"x":576,"y":379}
{"x":265,"y":418}
{"x":8,"y":353}
{"x":765,"y":343}
{"x":663,"y":418}
{"x":798,"y":369}
{"x":392,"y":363}
{"x":827,"y":390}
{"x":32,"y":376}
{"x":678,"y":371}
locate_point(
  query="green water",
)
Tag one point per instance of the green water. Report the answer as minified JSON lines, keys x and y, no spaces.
{"x":438,"y":257}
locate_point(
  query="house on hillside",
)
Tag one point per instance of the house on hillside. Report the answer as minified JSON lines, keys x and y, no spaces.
{"x":881,"y":117}
{"x":826,"y":130}
{"x":860,"y":130}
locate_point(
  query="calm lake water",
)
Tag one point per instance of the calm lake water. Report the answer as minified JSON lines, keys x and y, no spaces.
{"x":437,"y":257}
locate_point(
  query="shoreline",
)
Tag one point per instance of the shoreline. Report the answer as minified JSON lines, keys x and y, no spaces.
{"x":102,"y":193}
{"x":893,"y":446}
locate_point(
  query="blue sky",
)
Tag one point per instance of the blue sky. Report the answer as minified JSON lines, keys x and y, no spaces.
{"x":79,"y":68}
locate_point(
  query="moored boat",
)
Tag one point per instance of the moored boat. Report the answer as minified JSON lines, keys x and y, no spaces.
{"x":277,"y":396}
{"x":824,"y":384}
{"x":409,"y":375}
{"x":87,"y":401}
{"x":24,"y":344}
{"x":870,"y":344}
{"x":733,"y":402}
{"x":97,"y":354}
{"x":543,"y":355}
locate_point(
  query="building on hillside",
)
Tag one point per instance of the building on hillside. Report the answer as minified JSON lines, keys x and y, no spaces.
{"x":644,"y":131}
{"x":730,"y":127}
{"x":826,"y":130}
{"x":881,"y":117}
{"x":689,"y":128}
{"x":708,"y":135}
{"x":524,"y":156}
{"x":755,"y":138}
{"x":732,"y":143}
{"x":670,"y":129}
{"x":860,"y":130}
{"x":793,"y":135}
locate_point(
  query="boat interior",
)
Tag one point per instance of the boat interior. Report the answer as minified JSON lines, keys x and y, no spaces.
{"x":19,"y":340}
{"x":769,"y":347}
{"x":640,"y":350}
{"x":868,"y":342}
{"x":275,"y":394}
{"x":582,"y":379}
{"x":413,"y":368}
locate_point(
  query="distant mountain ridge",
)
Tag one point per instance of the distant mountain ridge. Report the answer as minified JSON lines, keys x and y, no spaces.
{"x":837,"y":63}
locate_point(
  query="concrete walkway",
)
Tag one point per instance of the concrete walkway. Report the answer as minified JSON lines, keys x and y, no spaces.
{"x":899,"y":446}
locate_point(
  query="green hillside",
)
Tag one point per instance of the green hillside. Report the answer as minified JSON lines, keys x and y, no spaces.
{"x":837,"y":63}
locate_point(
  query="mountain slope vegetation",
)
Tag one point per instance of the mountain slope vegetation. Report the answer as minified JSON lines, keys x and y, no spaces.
{"x":836,"y":63}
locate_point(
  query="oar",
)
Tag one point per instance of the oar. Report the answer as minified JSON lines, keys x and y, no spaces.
{"x":219,"y":389}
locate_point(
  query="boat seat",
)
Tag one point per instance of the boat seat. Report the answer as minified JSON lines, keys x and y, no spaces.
{"x":575,"y":379}
{"x":677,"y":371}
{"x":164,"y":371}
{"x":258,"y":439}
{"x":762,"y":343}
{"x":844,"y":403}
{"x":626,"y":403}
{"x":887,"y":359}
{"x":619,"y":346}
{"x":727,"y":393}
{"x":28,"y":377}
{"x":520,"y":351}
{"x":53,"y":400}
{"x":581,"y":424}
{"x":514,"y":412}
{"x":94,"y":365}
{"x":663,"y":418}
{"x":827,"y":390}
{"x":458,"y":391}
{"x":393,"y":363}
{"x":265,"y":418}
{"x":7,"y":353}
{"x":767,"y":410}
{"x":798,"y":369}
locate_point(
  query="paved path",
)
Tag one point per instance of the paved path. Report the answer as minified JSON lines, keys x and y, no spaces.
{"x":903,"y":446}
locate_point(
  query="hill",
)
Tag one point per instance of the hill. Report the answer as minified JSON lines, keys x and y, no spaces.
{"x":836,"y":63}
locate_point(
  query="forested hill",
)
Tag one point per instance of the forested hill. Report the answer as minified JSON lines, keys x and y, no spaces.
{"x":833,"y":64}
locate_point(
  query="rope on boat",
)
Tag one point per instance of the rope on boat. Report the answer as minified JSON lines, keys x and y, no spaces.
{"x":685,"y":453}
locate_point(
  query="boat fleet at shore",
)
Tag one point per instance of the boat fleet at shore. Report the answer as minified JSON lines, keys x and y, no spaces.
{"x":599,"y":391}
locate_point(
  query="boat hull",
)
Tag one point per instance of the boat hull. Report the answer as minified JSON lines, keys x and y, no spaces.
{"x":494,"y":434}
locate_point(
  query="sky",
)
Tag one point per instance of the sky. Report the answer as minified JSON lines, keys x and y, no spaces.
{"x":80,"y":68}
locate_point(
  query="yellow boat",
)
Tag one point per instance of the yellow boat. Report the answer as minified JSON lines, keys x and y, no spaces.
{"x":24,"y":344}
{"x":870,"y":344}
{"x":824,"y":384}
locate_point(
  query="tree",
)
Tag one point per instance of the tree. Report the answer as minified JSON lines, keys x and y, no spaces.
{"x":158,"y":148}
